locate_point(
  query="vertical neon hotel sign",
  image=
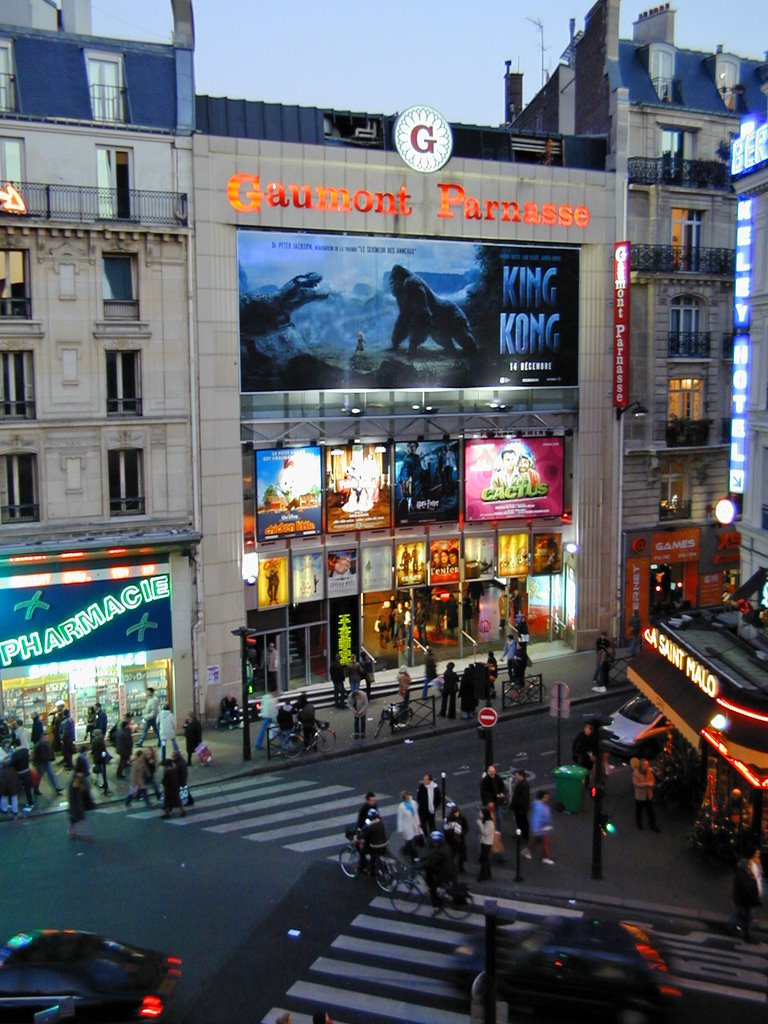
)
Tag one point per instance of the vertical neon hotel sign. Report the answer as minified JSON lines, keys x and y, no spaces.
{"x":621,"y":254}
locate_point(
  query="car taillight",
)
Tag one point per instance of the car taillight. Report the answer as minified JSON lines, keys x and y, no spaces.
{"x":173,"y":966}
{"x":151,"y":1008}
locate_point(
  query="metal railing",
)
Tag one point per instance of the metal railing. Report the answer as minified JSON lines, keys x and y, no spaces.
{"x":19,"y":308}
{"x":124,"y":407}
{"x":684,"y":433}
{"x":675,"y":509}
{"x":688,"y":344}
{"x":673,"y":170}
{"x":20,"y":409}
{"x":679,"y":259}
{"x":26,"y":513}
{"x":108,"y":103}
{"x":121,"y":309}
{"x":126,"y":506}
{"x":84,"y":204}
{"x":7,"y":93}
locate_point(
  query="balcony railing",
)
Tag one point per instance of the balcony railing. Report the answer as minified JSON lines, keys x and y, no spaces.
{"x":126,"y":506}
{"x":19,"y":308}
{"x":675,"y":509}
{"x":688,"y":344}
{"x":124,"y":407}
{"x":23,"y":409}
{"x":121,"y":309}
{"x":84,"y":204}
{"x":672,"y":170}
{"x":108,"y":103}
{"x":7,"y":93}
{"x":685,"y":433}
{"x":20,"y":513}
{"x":673,"y":259}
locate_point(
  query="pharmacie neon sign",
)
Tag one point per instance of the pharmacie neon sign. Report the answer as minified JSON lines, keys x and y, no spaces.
{"x":676,"y":655}
{"x":85,"y":622}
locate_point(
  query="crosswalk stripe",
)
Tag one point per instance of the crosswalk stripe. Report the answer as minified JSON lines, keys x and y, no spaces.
{"x":297,"y":1018}
{"x":208,"y":796}
{"x":698,"y":985}
{"x":402,"y":925}
{"x":376,"y":1006}
{"x":239,"y":805}
{"x":408,"y":954}
{"x":274,"y":819}
{"x":428,"y":984}
{"x":319,"y":843}
{"x":338,"y":822}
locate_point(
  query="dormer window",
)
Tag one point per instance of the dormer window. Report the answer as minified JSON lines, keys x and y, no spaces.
{"x":727,"y":79}
{"x":661,"y":67}
{"x":7,"y":80}
{"x":105,"y":81}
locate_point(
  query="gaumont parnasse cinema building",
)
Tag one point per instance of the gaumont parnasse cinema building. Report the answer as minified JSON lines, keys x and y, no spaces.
{"x":407,"y":386}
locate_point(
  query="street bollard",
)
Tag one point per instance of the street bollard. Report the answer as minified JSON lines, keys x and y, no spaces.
{"x":518,"y":836}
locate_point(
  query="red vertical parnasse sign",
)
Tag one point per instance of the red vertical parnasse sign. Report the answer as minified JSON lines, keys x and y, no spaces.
{"x":621,"y":252}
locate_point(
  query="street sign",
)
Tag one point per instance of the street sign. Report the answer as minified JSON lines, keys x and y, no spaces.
{"x":560,"y":701}
{"x":487,"y":717}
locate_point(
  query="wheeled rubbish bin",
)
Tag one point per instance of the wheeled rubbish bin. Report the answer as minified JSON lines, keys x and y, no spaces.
{"x":569,"y":787}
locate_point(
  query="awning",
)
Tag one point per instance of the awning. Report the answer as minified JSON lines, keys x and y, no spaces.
{"x":753,"y":584}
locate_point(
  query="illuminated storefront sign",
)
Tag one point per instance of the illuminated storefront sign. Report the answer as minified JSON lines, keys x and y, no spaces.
{"x":423,"y":138}
{"x":676,"y":545}
{"x":741,"y":345}
{"x":676,"y":655}
{"x":96,"y":619}
{"x":11,"y":200}
{"x":621,"y":311}
{"x":750,"y":150}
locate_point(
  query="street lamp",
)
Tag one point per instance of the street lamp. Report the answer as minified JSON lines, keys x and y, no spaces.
{"x":637,"y":409}
{"x":246,"y":673}
{"x":638,"y":412}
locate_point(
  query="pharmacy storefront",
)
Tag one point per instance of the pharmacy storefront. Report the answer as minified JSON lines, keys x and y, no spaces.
{"x":85,"y":635}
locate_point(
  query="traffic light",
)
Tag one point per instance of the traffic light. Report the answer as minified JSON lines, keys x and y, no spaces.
{"x":607,"y":827}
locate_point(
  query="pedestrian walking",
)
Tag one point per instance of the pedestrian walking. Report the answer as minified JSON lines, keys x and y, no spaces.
{"x":467,"y":699}
{"x":450,"y":689}
{"x":428,"y":800}
{"x":635,"y":622}
{"x":151,"y":758}
{"x":493,"y":793}
{"x":487,"y":831}
{"x":354,"y":673}
{"x":605,"y":654}
{"x":520,"y":805}
{"x":124,"y":747}
{"x":171,"y":789}
{"x":79,"y":799}
{"x":151,"y":711}
{"x":508,"y":655}
{"x":541,"y":824}
{"x":404,"y":684}
{"x":586,"y":748}
{"x":9,"y":781}
{"x":272,"y":667}
{"x":193,"y":734}
{"x":456,"y":832}
{"x":336,"y":672}
{"x":67,"y":736}
{"x":100,"y":758}
{"x":268,"y":711}
{"x":369,"y":678}
{"x":42,"y":758}
{"x":140,"y":780}
{"x":167,"y":726}
{"x":430,"y":672}
{"x":644,"y":781}
{"x":358,"y":702}
{"x":747,"y":891}
{"x":185,"y":794}
{"x":408,"y":826}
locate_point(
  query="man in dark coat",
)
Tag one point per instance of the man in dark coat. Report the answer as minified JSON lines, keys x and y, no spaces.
{"x":171,"y":789}
{"x":586,"y":747}
{"x":493,"y":793}
{"x":450,"y":686}
{"x":520,"y":805}
{"x":428,"y":800}
{"x":336,"y":672}
{"x":747,"y":891}
{"x":124,"y":747}
{"x":467,"y":698}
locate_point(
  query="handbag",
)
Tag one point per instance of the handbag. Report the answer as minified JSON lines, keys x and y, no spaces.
{"x":498,"y":845}
{"x":184,"y":795}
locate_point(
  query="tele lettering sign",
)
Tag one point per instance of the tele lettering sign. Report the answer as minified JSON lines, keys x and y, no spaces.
{"x":423,"y":138}
{"x":676,"y":655}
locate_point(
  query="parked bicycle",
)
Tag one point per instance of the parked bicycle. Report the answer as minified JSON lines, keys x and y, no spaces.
{"x":387,"y":868}
{"x":532,"y":692}
{"x":410,"y":891}
{"x":397,"y":716}
{"x":323,"y":741}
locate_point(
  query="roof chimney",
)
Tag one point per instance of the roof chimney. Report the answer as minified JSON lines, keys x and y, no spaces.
{"x":513,"y":93}
{"x":76,"y":17}
{"x":656,"y":25}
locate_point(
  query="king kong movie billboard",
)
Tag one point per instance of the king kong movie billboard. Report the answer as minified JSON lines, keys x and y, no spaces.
{"x":362,"y":312}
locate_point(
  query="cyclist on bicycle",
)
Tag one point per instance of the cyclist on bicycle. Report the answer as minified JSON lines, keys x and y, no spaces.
{"x":307,"y":718}
{"x":439,"y":867}
{"x":372,"y":839}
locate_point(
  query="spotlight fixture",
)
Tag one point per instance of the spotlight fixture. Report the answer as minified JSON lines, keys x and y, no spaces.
{"x":637,"y":409}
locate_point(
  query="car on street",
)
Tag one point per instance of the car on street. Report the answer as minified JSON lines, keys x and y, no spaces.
{"x":637,"y":729}
{"x":576,"y":968}
{"x":87,"y":976}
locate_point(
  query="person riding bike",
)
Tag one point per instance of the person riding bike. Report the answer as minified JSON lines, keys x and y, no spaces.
{"x":439,"y":867}
{"x":372,"y":839}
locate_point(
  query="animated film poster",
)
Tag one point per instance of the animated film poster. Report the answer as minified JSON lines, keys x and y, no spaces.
{"x":365,"y":312}
{"x":357,"y":489}
{"x":518,"y":478}
{"x":341,"y":571}
{"x":478,"y":557}
{"x":411,"y":563}
{"x":308,"y":574}
{"x":513,"y":554}
{"x":426,"y":482}
{"x":272,"y":581}
{"x":288,"y":493}
{"x":376,"y":562}
{"x":444,"y":561}
{"x":546,"y":553}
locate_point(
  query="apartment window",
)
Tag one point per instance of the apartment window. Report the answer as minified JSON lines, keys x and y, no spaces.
{"x":120,"y":302}
{"x":686,"y":337}
{"x":113,"y":179}
{"x":17,"y":398}
{"x":686,"y":398}
{"x":105,"y":80}
{"x":7,"y":80}
{"x":661,"y":64}
{"x":126,"y":482}
{"x":18,"y":489}
{"x":675,"y":494}
{"x":11,"y":161}
{"x":123,"y":384}
{"x":686,"y":238}
{"x":14,"y":284}
{"x":727,"y":80}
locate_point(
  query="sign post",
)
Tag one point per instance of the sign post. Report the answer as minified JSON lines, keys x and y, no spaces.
{"x":487,"y":717}
{"x":559,"y":708}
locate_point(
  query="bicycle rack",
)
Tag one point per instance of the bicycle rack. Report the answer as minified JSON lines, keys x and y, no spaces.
{"x":534,"y":687}
{"x":422,"y":713}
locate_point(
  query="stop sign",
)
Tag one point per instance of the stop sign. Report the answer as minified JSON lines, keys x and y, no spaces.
{"x":487,"y":717}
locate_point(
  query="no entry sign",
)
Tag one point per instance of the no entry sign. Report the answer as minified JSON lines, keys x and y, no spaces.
{"x":487,"y":717}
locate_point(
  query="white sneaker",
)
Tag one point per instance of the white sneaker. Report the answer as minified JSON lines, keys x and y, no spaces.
{"x":526,"y":853}
{"x":546,"y":860}
{"x":599,"y":689}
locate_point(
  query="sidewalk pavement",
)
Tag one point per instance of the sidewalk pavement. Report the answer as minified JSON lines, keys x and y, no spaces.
{"x":641,"y":870}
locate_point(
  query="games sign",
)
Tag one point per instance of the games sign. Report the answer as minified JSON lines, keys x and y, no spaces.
{"x":357,"y":492}
{"x":325,"y":311}
{"x":426,"y":482}
{"x":288,"y":493}
{"x":513,"y":478}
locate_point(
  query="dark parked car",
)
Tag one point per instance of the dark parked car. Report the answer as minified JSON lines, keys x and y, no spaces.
{"x":89,"y":977}
{"x":637,"y":729}
{"x":588,"y":967}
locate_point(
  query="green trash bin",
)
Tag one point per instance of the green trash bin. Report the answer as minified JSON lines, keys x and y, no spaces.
{"x":569,"y":787}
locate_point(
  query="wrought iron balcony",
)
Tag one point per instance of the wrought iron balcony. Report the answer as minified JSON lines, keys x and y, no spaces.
{"x":684,"y":433}
{"x":124,"y":407}
{"x":20,"y":513}
{"x":108,"y":103}
{"x":22,"y":409}
{"x":688,"y":344}
{"x":84,"y":204}
{"x":126,"y":506}
{"x":675,"y":509}
{"x":672,"y":170}
{"x":19,"y":308}
{"x":674,"y":259}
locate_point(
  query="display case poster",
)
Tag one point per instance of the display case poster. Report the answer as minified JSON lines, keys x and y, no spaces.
{"x":361,"y":313}
{"x":444,"y":561}
{"x":308,"y":576}
{"x":513,"y":478}
{"x":377,"y":566}
{"x":513,"y":554}
{"x":288,"y":493}
{"x":357,"y":488}
{"x":478,"y":557}
{"x":341,"y":571}
{"x":272,"y":581}
{"x":426,"y":482}
{"x":411,"y":563}
{"x":546,"y":553}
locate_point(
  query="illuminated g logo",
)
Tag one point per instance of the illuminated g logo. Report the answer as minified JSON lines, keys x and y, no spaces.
{"x":423,"y":138}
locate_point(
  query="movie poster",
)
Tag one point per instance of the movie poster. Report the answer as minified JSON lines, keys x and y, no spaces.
{"x":411,"y":563}
{"x":444,"y":561}
{"x":308,"y":576}
{"x":364,"y":312}
{"x":357,"y":490}
{"x":272,"y":581}
{"x":377,"y":567}
{"x":513,"y":478}
{"x":342,"y":571}
{"x":478,"y":557}
{"x":546,"y":553}
{"x":426,"y":482}
{"x":513,"y":554}
{"x":288,"y":493}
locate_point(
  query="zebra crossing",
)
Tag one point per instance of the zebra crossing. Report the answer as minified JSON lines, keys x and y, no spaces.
{"x":386,"y":966}
{"x":260,"y":810}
